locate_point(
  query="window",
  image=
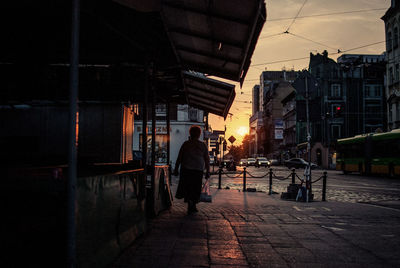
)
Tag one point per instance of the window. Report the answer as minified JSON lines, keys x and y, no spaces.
{"x":335,"y":90}
{"x":161,"y":109}
{"x":372,"y":91}
{"x":335,"y":73}
{"x":398,"y":111}
{"x":193,"y":114}
{"x":377,"y":90}
{"x":396,"y":74}
{"x":336,"y":131}
{"x":318,"y":73}
{"x":395,"y":38}
{"x":391,"y":75}
{"x":367,"y":91}
{"x":389,"y":41}
{"x":390,"y":113}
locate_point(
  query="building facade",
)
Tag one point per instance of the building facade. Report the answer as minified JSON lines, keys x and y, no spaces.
{"x":363,"y":81}
{"x":182,"y":117}
{"x":392,"y":27}
{"x":346,"y":98}
{"x":289,"y":125}
{"x":255,"y":123}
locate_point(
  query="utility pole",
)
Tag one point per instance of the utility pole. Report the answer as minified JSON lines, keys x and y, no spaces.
{"x":308,"y":169}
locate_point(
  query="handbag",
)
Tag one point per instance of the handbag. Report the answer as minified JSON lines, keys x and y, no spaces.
{"x":205,"y":192}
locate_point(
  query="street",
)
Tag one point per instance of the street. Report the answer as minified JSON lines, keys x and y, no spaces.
{"x":343,"y":188}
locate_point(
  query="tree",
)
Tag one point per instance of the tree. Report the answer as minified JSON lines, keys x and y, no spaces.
{"x":240,"y":151}
{"x":246,"y":145}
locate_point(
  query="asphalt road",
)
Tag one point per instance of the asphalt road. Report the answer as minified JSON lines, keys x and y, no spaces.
{"x":353,"y":188}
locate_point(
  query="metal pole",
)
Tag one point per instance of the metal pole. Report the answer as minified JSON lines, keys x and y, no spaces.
{"x":219,"y":177}
{"x":324,"y":187}
{"x":244,"y":179}
{"x":220,"y":154}
{"x":308,"y":170}
{"x":270,"y":181}
{"x":293,"y":176}
{"x":153,"y":140}
{"x":73,"y":109}
{"x":168,"y":142}
{"x":145,"y":118}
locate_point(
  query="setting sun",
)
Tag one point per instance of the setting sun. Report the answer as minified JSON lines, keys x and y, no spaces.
{"x":242,"y":130}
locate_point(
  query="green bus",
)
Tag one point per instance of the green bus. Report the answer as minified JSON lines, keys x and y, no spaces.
{"x":377,"y":153}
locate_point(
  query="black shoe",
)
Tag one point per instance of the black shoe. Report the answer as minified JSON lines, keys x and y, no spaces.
{"x":191,"y":207}
{"x":194,"y":208}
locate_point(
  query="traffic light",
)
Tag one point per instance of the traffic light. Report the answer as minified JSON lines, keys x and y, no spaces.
{"x":338,"y":111}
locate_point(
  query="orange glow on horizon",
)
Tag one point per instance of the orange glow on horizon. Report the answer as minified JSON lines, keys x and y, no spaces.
{"x":242,"y":130}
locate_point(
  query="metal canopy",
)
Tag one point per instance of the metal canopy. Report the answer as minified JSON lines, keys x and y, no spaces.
{"x":214,"y":37}
{"x":117,"y":37}
{"x":208,"y":94}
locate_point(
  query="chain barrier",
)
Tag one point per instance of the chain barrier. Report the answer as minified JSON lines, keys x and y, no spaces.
{"x":257,"y":177}
{"x":320,"y":178}
{"x":281,"y":179}
{"x":300,"y":179}
{"x":271,"y":175}
{"x":232,"y":177}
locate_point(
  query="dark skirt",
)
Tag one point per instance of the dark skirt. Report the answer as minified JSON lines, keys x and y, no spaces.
{"x":189,"y":186}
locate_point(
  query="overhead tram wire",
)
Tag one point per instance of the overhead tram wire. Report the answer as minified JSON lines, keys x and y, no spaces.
{"x":355,"y":48}
{"x":315,"y":42}
{"x":271,"y":35}
{"x":330,"y":14}
{"x":333,"y":53}
{"x":294,"y":19}
{"x":279,"y":61}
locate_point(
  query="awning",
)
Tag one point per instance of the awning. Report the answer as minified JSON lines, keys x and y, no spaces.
{"x":208,"y":94}
{"x":214,"y":37}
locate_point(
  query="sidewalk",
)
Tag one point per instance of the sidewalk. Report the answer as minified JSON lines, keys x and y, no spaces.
{"x":254,"y":229}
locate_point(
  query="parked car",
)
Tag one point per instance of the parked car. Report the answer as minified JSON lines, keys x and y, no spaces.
{"x":243,"y":162}
{"x":274,"y":162}
{"x":298,"y":163}
{"x":225,"y":162}
{"x":251,"y":161}
{"x":262,"y":162}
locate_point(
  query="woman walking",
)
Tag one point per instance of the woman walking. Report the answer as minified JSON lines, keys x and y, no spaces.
{"x":193,"y":158}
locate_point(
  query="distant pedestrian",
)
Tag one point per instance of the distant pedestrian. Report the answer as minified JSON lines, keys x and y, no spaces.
{"x":193,"y":158}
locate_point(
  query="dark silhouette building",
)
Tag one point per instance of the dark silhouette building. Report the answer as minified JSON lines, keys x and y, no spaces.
{"x":346,"y":98}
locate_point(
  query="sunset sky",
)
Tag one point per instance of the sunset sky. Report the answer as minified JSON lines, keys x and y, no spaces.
{"x":314,"y":34}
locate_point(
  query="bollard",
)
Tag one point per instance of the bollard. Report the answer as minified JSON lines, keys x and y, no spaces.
{"x":219,"y":177}
{"x":293,"y":176}
{"x":244,"y":179}
{"x":324,"y":187}
{"x":270,"y":181}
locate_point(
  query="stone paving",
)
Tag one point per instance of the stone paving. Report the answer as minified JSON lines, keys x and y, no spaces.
{"x":254,"y":229}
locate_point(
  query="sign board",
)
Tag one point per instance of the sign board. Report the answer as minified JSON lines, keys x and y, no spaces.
{"x":278,"y":134}
{"x":219,"y":132}
{"x":278,"y":123}
{"x":232,"y":139}
{"x":159,"y":130}
{"x":207,"y":134}
{"x":213,"y":136}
